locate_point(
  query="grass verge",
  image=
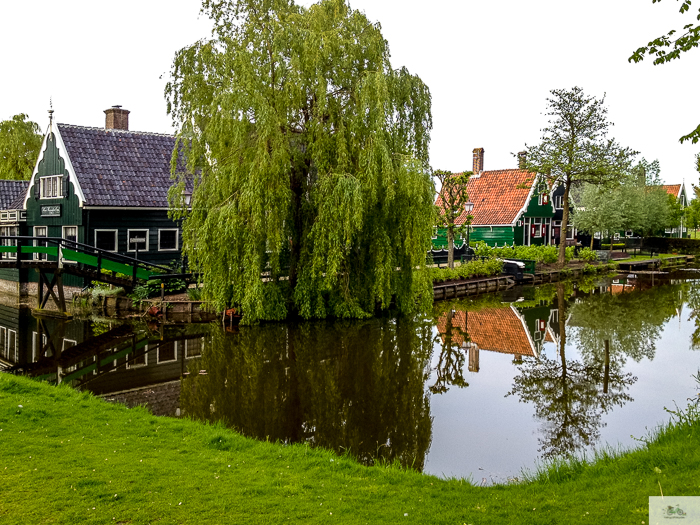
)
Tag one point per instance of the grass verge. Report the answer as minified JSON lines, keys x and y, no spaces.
{"x":67,"y":457}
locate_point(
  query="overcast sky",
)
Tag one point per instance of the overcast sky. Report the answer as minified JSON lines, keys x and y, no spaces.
{"x":489,"y":67}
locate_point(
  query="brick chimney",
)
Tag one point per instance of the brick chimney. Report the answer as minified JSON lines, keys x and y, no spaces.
{"x":522,"y":159}
{"x":117,"y":118}
{"x":478,"y":161}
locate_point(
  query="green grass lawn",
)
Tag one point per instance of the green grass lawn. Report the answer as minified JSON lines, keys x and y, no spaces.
{"x":67,"y":457}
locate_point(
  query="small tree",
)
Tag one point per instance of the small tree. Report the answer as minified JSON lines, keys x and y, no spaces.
{"x":575,"y":148}
{"x":20,"y":141}
{"x":600,"y":211}
{"x":450,"y":204}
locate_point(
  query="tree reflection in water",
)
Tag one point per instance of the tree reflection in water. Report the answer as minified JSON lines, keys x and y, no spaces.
{"x":570,"y":396}
{"x":452,"y":339}
{"x":355,"y":387}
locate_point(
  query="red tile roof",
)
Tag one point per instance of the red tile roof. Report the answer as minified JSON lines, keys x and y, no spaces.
{"x":498,"y":196}
{"x":672,"y":189}
{"x":493,"y":329}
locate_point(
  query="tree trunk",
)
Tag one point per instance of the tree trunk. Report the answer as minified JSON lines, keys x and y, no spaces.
{"x":564,"y":224}
{"x":295,"y":241}
{"x":561,"y":311}
{"x":450,"y":246}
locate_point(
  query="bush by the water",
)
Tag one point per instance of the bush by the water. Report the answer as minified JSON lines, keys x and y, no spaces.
{"x":468,"y":270}
{"x":541,"y":254}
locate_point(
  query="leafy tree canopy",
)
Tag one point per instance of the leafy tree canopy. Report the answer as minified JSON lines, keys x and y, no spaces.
{"x":575,"y":148}
{"x":312,"y":155}
{"x":670,"y":46}
{"x":450,"y":205}
{"x":20,"y":141}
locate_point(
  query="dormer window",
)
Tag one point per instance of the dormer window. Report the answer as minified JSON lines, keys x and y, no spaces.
{"x":51,"y":187}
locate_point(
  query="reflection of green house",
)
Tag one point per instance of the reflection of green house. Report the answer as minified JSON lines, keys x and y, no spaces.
{"x":507,"y":330}
{"x":510,"y":207}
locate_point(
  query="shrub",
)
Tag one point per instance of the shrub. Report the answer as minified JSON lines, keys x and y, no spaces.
{"x":586,"y":254}
{"x":468,"y":270}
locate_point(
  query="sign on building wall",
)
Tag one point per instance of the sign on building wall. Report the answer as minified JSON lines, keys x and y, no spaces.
{"x":51,"y":210}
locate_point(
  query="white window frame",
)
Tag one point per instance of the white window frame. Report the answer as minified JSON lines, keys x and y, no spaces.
{"x":116,"y":238}
{"x":40,"y":256}
{"x":187,"y":348}
{"x":63,"y":235}
{"x":129,"y":359}
{"x":570,"y":233}
{"x":177,"y":239}
{"x":55,"y":192}
{"x":10,"y":231}
{"x":128,"y":239}
{"x":558,"y":201}
{"x":159,"y":360}
{"x":11,"y":336}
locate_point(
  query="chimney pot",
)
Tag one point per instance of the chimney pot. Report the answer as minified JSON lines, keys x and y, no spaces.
{"x":522,"y":159}
{"x":478,"y":160}
{"x":117,"y":118}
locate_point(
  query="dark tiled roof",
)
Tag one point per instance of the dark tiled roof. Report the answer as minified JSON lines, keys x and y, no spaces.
{"x":120,"y":168}
{"x":12,"y":191}
{"x":498,"y":196}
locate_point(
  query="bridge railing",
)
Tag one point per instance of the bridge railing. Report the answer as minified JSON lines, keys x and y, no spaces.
{"x":66,"y":251}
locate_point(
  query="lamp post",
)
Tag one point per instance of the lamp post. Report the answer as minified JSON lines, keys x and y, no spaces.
{"x":469,"y":206}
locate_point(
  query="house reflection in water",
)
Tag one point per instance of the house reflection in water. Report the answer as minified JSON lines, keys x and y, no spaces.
{"x":514,"y":330}
{"x":130,"y":363}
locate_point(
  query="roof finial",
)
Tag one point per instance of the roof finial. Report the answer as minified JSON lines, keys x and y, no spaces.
{"x":50,"y":112}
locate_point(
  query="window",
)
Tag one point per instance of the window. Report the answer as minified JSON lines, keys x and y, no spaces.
{"x":10,"y":231}
{"x":51,"y":187}
{"x":137,"y":360}
{"x":167,"y":352}
{"x":106,"y":240}
{"x":40,"y":231}
{"x":193,"y":348}
{"x":137,"y":240}
{"x":11,"y":345}
{"x":167,"y":240}
{"x":558,"y":202}
{"x":570,"y":233}
{"x":70,"y":233}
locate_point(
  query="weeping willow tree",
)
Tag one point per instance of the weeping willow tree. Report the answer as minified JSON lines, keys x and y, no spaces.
{"x":313,"y":192}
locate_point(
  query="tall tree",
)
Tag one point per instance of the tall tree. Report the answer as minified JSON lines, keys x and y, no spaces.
{"x":312,"y":151}
{"x":20,"y":141}
{"x":450,"y":203}
{"x":669,"y":47}
{"x":575,"y":148}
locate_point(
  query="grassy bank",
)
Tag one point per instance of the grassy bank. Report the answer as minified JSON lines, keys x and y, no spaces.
{"x":67,"y":457}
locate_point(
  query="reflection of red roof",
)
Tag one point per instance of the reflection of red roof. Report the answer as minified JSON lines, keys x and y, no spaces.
{"x":494,"y":329}
{"x":498,"y":196}
{"x":672,"y":189}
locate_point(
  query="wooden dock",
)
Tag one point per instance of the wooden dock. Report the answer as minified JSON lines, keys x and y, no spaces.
{"x":654,"y":264}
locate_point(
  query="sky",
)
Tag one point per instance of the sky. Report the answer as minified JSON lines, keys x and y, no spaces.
{"x":489,"y":66}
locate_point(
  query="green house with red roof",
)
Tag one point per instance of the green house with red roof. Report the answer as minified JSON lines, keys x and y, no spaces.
{"x":511,"y":207}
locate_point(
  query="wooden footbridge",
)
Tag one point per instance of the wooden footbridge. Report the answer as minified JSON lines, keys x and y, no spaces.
{"x":55,"y":256}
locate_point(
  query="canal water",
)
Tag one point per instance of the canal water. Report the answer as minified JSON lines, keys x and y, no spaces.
{"x":479,"y":388}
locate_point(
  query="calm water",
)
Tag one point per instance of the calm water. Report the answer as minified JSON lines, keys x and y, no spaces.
{"x":480,"y":388}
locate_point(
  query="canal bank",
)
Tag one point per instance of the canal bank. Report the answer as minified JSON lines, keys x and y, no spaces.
{"x":107,"y":463}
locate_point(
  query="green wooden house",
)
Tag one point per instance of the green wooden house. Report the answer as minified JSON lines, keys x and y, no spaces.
{"x":103,"y":187}
{"x":511,"y":207}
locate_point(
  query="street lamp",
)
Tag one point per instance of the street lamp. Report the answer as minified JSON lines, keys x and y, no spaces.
{"x":469,"y":206}
{"x":187,"y":197}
